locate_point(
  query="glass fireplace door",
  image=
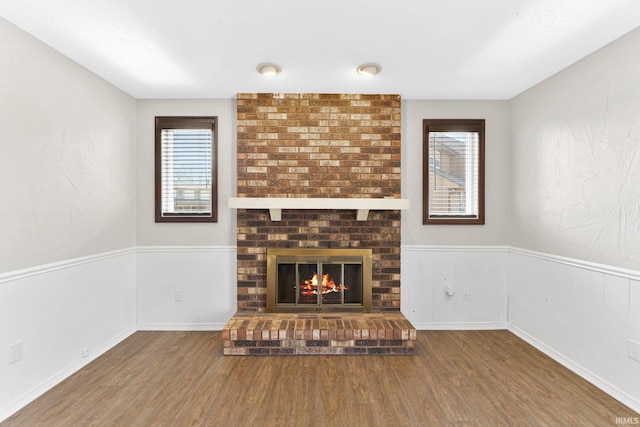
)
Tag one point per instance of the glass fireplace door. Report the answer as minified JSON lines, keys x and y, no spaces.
{"x":304,"y":282}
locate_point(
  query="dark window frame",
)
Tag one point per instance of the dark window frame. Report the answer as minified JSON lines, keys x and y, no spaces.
{"x":453,"y":125}
{"x":186,"y":122}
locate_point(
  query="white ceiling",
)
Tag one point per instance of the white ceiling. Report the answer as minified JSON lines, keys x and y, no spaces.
{"x":428,"y":49}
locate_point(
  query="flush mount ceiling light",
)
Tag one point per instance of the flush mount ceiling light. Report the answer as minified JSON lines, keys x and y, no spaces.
{"x":369,"y":69}
{"x":268,"y":69}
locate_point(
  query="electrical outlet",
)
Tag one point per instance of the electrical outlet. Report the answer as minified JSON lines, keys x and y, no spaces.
{"x":178,"y":295}
{"x":633,"y":350}
{"x":466,"y":293}
{"x":15,"y":352}
{"x":84,"y":352}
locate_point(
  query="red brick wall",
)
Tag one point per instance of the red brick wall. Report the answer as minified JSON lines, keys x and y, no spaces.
{"x":318,"y":145}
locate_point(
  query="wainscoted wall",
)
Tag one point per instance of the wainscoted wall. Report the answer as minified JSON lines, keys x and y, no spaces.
{"x":58,"y":310}
{"x":205,"y":274}
{"x":581,"y":314}
{"x":427,"y":271}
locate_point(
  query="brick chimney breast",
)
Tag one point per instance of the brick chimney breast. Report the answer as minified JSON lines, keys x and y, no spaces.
{"x":318,"y":145}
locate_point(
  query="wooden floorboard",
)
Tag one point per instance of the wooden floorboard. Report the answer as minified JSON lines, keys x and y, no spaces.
{"x":458,"y":378}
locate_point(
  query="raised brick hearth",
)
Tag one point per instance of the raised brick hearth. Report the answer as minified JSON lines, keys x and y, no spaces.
{"x":329,"y":334}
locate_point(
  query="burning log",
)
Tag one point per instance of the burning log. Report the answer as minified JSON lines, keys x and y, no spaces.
{"x":309,"y":287}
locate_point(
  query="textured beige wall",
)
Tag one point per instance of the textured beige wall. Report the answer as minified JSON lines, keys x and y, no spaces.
{"x":576,"y":160}
{"x":67,"y":157}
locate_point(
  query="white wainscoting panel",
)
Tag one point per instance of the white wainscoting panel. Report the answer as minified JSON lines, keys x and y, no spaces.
{"x":204,"y":275}
{"x":581,"y":314}
{"x":427,"y":271}
{"x":56,"y":311}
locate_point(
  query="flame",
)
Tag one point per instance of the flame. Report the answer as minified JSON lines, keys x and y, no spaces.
{"x":310,"y":287}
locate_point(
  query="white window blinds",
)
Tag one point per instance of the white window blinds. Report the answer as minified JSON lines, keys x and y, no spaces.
{"x":186,"y":171}
{"x":454,"y":173}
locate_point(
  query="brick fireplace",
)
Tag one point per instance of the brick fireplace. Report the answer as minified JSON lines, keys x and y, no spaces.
{"x":318,"y":146}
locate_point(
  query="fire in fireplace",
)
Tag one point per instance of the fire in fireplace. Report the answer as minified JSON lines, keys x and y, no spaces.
{"x":319,"y":280}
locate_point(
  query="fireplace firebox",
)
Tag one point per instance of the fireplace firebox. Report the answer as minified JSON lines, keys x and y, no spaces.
{"x":319,"y":280}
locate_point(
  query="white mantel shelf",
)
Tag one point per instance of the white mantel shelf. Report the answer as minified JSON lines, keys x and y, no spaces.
{"x":276,"y":204}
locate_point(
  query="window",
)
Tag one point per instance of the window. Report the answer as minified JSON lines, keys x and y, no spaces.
{"x":186,"y":172}
{"x":453,"y":162}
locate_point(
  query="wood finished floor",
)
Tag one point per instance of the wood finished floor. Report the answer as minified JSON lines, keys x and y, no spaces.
{"x":458,"y":378}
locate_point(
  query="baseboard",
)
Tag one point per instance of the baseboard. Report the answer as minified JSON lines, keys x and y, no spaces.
{"x":181,"y":326}
{"x":31,"y":395}
{"x":460,"y":326}
{"x":589,"y":376}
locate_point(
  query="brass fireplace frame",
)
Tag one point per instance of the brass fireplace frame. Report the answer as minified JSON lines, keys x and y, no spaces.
{"x":272,"y":255}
